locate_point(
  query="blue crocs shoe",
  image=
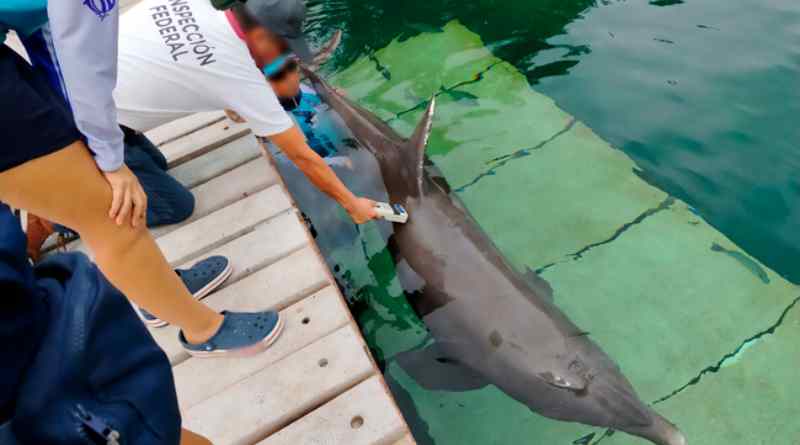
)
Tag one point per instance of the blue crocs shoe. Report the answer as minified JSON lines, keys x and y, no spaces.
{"x":242,"y":334}
{"x":201,"y":279}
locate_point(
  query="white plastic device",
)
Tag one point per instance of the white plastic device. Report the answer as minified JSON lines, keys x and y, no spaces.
{"x":394,"y":212}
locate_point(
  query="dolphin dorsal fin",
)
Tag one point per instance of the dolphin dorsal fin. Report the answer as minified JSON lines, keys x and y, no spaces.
{"x":414,"y":148}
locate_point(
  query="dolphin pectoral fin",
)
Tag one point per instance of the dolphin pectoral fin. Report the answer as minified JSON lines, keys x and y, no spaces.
{"x":434,"y":371}
{"x":539,"y":284}
{"x":414,"y":148}
{"x":413,"y":284}
{"x":409,"y":279}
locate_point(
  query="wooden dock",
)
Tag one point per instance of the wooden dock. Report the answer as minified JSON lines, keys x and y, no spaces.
{"x":318,"y":383}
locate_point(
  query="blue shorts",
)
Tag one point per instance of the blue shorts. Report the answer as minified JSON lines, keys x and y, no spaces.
{"x":34,"y":119}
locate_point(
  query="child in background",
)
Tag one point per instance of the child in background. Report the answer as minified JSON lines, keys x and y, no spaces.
{"x":300,"y":100}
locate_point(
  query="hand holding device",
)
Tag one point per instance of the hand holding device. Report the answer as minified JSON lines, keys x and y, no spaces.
{"x":394,"y":213}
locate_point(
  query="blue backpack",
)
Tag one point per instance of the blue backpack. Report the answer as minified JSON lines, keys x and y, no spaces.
{"x":97,"y":376}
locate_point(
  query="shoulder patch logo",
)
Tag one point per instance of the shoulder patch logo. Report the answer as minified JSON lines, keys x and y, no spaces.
{"x":100,"y":8}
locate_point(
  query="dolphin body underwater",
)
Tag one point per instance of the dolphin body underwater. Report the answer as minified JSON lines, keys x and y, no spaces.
{"x":491,"y":324}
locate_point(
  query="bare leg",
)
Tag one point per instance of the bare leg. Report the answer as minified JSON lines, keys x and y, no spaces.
{"x":67,"y":188}
{"x":190,"y":438}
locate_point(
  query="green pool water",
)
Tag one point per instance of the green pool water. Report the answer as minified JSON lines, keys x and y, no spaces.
{"x":643,"y":157}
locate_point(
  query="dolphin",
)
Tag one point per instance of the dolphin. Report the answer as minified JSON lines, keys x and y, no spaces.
{"x":326,"y":50}
{"x":491,"y":324}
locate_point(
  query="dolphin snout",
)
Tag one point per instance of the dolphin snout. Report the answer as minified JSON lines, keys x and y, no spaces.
{"x":675,"y":437}
{"x":664,"y":432}
{"x":678,"y":439}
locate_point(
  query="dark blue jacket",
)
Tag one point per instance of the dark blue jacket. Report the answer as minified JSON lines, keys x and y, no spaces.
{"x":22,"y":310}
{"x":78,"y":365}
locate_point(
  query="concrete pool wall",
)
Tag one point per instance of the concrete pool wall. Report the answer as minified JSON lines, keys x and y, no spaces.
{"x":699,"y":326}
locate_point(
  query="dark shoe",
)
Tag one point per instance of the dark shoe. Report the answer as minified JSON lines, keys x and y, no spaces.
{"x":201,"y":279}
{"x":242,"y":334}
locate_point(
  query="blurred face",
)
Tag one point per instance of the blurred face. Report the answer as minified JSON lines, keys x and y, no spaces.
{"x":264,"y":45}
{"x":286,"y":83}
{"x":287,"y":87}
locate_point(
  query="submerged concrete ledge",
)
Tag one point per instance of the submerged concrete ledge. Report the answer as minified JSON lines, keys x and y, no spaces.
{"x":664,"y":292}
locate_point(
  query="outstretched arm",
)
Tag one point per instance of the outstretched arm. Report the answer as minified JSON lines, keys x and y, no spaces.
{"x":293,"y":144}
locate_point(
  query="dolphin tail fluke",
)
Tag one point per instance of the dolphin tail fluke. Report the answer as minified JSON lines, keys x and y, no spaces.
{"x":414,"y":148}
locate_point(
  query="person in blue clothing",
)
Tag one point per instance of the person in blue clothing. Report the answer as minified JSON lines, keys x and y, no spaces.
{"x":23,"y":314}
{"x":301,"y":101}
{"x":64,"y":161}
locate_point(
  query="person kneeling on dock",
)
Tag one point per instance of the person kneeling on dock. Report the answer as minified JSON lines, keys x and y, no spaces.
{"x":178,"y":57}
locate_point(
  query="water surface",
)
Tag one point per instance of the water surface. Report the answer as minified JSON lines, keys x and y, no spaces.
{"x":676,"y":245}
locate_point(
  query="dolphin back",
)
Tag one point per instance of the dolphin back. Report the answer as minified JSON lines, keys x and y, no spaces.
{"x":556,"y":370}
{"x":401,"y":159}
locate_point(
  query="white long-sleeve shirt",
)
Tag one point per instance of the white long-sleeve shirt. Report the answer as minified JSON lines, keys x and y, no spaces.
{"x":81,"y":45}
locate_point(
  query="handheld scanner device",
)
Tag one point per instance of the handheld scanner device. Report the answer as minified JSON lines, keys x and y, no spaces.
{"x":394,"y":213}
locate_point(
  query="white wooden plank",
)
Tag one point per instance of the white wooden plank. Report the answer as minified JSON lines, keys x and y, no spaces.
{"x":263,"y":403}
{"x":181,"y":127}
{"x":202,"y":141}
{"x":224,"y":190}
{"x":270,"y":242}
{"x":407,"y":440}
{"x":314,"y":317}
{"x":364,"y":415}
{"x":277,"y":285}
{"x":223,"y":225}
{"x":236,"y":184}
{"x":225,"y":158}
